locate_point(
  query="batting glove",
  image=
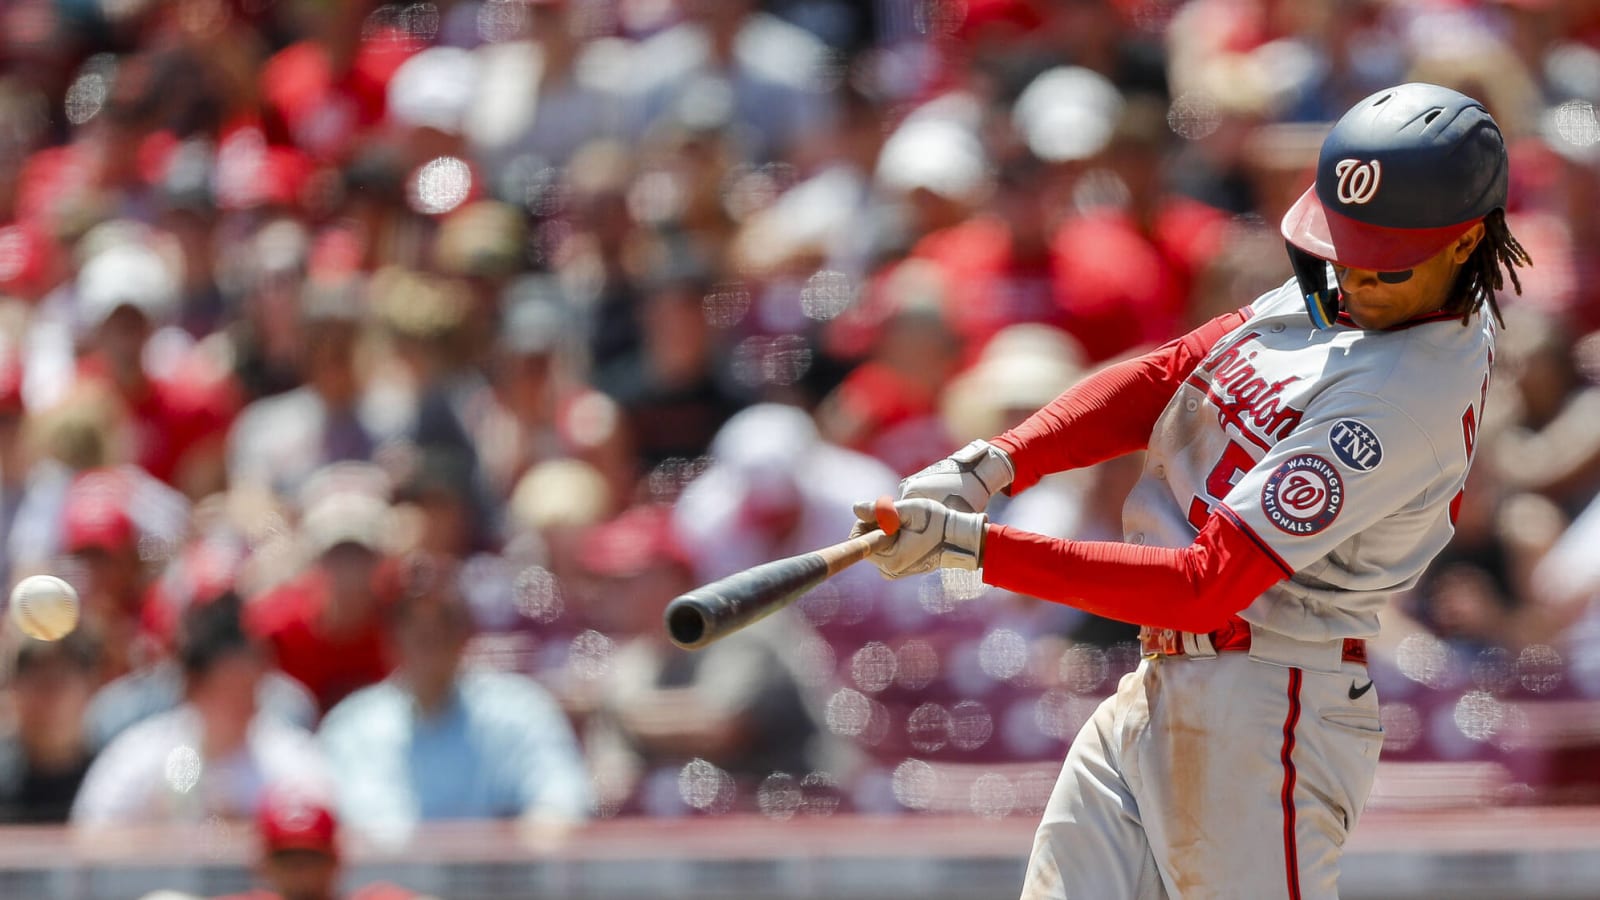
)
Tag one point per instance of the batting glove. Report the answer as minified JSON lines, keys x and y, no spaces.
{"x":965,"y":480}
{"x":932,"y":536}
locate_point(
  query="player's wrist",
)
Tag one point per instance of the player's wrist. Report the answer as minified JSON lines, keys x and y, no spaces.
{"x":963,"y":540}
{"x":964,"y":480}
{"x":988,"y":463}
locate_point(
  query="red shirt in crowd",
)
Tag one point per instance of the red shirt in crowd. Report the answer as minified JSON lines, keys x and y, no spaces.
{"x":175,"y":419}
{"x":1123,"y":287}
{"x":289,"y":617}
{"x":992,"y":284}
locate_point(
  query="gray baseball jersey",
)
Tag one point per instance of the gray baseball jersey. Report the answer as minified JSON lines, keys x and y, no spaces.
{"x":1342,"y":452}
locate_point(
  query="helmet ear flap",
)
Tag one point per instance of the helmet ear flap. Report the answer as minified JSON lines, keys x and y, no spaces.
{"x":1322,"y":299}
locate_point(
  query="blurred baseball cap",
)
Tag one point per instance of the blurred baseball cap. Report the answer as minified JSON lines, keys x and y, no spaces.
{"x":632,"y":544}
{"x":1021,"y":367}
{"x":296,"y":819}
{"x":127,"y":273}
{"x":559,"y":493}
{"x":1067,"y":113}
{"x":96,"y":514}
{"x":418,"y":306}
{"x":346,"y":517}
{"x":279,"y":249}
{"x":434,"y":88}
{"x":938,"y":155}
{"x":764,"y":448}
{"x":484,"y":238}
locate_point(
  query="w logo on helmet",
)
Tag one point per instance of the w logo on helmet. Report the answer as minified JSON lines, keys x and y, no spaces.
{"x":1358,"y":181}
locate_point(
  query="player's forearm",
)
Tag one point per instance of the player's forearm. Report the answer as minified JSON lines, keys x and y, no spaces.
{"x":1194,"y":588}
{"x":1111,"y":412}
{"x":1104,"y":416}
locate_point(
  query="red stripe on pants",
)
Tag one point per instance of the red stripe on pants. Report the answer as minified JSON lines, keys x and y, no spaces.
{"x":1290,"y":854}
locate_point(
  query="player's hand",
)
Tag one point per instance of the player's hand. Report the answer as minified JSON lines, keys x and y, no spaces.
{"x":965,"y":480}
{"x":932,"y":536}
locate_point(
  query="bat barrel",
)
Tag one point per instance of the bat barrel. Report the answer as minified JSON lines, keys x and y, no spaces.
{"x":722,"y":607}
{"x":688,"y":622}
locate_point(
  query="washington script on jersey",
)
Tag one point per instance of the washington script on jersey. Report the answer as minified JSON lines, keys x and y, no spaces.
{"x":1244,"y":398}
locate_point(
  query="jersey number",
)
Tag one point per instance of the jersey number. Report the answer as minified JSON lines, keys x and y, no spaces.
{"x":1469,"y":437}
{"x":1235,"y":460}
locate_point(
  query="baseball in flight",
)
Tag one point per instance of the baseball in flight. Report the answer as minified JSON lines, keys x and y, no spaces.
{"x":44,"y":607}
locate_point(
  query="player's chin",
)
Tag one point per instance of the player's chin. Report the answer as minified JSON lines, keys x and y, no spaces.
{"x":1370,"y":316}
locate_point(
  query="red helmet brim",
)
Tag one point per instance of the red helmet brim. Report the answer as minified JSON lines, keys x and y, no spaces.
{"x":1339,"y":239}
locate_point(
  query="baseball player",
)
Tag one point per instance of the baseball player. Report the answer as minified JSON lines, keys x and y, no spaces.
{"x":1300,"y":469}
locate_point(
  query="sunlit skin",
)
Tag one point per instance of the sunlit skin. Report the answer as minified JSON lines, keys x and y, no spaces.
{"x":1375,"y":305}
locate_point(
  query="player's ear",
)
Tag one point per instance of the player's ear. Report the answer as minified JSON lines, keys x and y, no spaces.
{"x":1461,"y":250}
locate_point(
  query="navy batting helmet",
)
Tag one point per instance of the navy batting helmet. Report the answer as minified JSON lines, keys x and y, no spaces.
{"x":1401,"y":175}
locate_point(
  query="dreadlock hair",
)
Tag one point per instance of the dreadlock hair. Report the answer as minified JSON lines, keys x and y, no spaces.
{"x":1498,"y":255}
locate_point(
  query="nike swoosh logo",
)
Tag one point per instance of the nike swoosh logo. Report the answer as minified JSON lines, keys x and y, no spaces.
{"x":1356,"y":692}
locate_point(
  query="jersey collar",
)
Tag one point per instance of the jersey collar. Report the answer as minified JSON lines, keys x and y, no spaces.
{"x":1438,"y":315}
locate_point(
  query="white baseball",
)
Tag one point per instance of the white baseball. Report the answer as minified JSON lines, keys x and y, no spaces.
{"x":44,"y":607}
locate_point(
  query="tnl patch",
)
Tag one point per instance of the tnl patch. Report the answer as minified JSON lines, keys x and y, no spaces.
{"x":1304,"y":495}
{"x":1356,"y":445}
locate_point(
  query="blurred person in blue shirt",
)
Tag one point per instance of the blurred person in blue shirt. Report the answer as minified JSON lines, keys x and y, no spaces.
{"x":436,"y":742}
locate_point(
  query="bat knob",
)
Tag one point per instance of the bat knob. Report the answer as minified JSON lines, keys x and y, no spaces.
{"x":883,"y":511}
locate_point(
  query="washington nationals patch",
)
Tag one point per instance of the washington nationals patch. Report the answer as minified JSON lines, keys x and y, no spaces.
{"x":1355,"y":445}
{"x":1304,"y":495}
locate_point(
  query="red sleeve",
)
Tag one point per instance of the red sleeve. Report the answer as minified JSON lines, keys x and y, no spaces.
{"x":1112,"y":411}
{"x":1193,"y":588}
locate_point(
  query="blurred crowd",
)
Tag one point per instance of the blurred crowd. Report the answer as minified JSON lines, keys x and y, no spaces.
{"x":377,"y":372}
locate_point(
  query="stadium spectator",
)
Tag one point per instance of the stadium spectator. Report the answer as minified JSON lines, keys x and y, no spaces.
{"x":435,"y":742}
{"x":533,"y":382}
{"x":278,"y":442}
{"x":739,"y":705}
{"x":443,"y":499}
{"x":299,"y":857}
{"x":176,"y":418}
{"x":772,"y":490}
{"x":599,"y":252}
{"x":541,"y":97}
{"x":324,"y":626}
{"x":268,"y":267}
{"x":45,"y":755}
{"x":114,"y":521}
{"x":74,"y":437}
{"x":1551,"y":445}
{"x":214,"y":755}
{"x":673,"y":393}
{"x":130,"y":699}
{"x":727,"y":61}
{"x":887,"y":406}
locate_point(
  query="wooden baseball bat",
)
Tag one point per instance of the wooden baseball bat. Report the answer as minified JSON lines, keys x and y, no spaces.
{"x":728,"y":604}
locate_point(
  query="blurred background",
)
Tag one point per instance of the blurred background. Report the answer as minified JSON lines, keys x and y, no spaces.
{"x":377,"y":372}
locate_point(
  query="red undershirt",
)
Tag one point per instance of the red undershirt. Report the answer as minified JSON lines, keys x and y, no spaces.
{"x":1193,"y":588}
